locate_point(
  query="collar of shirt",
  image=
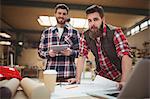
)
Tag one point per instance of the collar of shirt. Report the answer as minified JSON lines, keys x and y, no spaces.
{"x":55,"y":27}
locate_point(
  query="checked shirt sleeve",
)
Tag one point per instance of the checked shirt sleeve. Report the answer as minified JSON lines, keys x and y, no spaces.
{"x":83,"y":49}
{"x":121,"y":43}
{"x":75,"y":47}
{"x":43,"y":46}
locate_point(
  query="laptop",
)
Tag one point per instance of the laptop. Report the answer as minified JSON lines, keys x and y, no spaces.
{"x":138,"y":85}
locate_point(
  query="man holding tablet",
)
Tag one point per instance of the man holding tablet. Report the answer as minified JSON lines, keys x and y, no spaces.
{"x":60,"y":45}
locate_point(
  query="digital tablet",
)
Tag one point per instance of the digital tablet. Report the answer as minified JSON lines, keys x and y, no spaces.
{"x":59,"y":48}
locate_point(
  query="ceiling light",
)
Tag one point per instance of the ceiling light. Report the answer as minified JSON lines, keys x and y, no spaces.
{"x":5,"y":35}
{"x":51,"y":21}
{"x":149,"y":21}
{"x":144,"y":25}
{"x":44,"y":20}
{"x":137,"y":28}
{"x":79,"y":23}
{"x":5,"y":43}
{"x":132,"y":31}
{"x":128,"y":33}
{"x":20,"y":43}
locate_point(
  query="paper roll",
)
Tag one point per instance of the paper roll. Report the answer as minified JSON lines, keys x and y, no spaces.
{"x":9,"y":88}
{"x":34,"y":90}
{"x":3,"y":82}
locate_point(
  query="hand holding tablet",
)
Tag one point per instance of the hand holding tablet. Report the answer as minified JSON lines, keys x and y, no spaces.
{"x":59,"y":48}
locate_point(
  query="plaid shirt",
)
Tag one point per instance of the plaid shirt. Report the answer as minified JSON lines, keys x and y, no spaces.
{"x":108,"y":69}
{"x":64,"y":65}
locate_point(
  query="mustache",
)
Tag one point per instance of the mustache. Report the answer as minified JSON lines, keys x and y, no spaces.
{"x":94,"y":27}
{"x":96,"y":32}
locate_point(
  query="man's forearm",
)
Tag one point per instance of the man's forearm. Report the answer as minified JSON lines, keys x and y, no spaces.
{"x":126,"y":67}
{"x":80,"y":66}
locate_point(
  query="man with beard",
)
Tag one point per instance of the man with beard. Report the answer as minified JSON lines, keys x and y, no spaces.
{"x":64,"y":61}
{"x":109,"y":46}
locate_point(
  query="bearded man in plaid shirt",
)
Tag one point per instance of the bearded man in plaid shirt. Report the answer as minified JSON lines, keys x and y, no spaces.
{"x":64,"y":61}
{"x":109,"y":46}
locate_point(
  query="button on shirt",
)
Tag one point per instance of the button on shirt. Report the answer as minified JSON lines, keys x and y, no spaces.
{"x":108,"y":69}
{"x":64,"y":65}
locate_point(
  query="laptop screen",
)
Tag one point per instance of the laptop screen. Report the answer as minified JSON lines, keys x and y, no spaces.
{"x":137,"y":84}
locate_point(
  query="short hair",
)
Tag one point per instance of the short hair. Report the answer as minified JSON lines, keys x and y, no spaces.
{"x":61,"y":6}
{"x":95,"y":8}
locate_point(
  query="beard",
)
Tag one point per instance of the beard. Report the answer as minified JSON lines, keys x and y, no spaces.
{"x":60,"y":20}
{"x":95,"y":32}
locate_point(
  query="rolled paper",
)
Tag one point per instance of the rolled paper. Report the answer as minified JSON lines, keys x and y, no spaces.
{"x":9,"y":88}
{"x":3,"y":82}
{"x":34,"y":90}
